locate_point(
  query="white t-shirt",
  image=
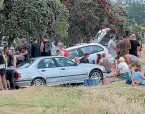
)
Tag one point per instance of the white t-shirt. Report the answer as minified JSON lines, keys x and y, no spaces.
{"x":123,"y":67}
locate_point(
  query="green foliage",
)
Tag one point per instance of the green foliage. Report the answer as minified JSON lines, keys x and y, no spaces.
{"x":62,"y":24}
{"x":32,"y":18}
{"x":87,"y":17}
{"x":1,"y":3}
{"x":136,"y":11}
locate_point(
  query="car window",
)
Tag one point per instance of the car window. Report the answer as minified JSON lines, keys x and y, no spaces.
{"x":46,"y":63}
{"x":91,"y":49}
{"x":26,"y":64}
{"x":63,"y":62}
{"x":96,"y":49}
{"x":72,"y":54}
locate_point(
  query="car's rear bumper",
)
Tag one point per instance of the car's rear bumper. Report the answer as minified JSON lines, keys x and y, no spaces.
{"x":22,"y":83}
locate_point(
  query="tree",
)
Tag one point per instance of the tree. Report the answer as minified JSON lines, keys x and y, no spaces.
{"x":136,"y":11}
{"x":89,"y":16}
{"x":32,"y":18}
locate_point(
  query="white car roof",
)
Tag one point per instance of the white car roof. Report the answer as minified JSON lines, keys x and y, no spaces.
{"x":43,"y":57}
{"x":83,"y":45}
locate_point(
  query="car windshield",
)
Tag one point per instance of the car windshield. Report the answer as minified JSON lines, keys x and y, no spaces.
{"x":26,"y":64}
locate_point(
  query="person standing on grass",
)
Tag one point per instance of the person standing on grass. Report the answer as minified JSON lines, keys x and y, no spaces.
{"x":35,"y":52}
{"x":135,"y":45}
{"x":27,"y":46}
{"x":10,"y":67}
{"x":3,"y":82}
{"x":45,"y":47}
{"x":63,"y":52}
{"x":112,"y":46}
{"x":13,"y":52}
{"x":124,"y":45}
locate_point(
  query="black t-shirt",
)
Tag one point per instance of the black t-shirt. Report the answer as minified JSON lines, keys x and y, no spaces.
{"x":134,"y":46}
{"x":35,"y":52}
{"x":82,"y":60}
{"x":10,"y":60}
{"x":1,"y":59}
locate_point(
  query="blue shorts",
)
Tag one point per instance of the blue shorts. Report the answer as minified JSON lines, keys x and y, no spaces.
{"x":142,"y":82}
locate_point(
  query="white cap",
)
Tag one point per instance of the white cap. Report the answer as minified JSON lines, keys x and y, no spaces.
{"x":121,"y":59}
{"x":12,"y":48}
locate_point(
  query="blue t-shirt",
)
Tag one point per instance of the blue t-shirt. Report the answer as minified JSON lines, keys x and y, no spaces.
{"x":138,"y":76}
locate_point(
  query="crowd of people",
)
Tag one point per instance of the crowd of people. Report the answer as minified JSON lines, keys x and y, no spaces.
{"x":126,"y":52}
{"x":127,"y":64}
{"x":10,"y":59}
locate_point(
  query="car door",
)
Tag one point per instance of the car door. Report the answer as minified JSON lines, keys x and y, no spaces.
{"x":48,"y":69}
{"x":93,"y":50}
{"x":71,"y":73}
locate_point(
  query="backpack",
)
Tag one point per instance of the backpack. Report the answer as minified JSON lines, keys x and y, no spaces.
{"x":47,"y":46}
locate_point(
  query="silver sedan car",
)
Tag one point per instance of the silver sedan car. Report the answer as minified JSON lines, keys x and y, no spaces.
{"x":55,"y":70}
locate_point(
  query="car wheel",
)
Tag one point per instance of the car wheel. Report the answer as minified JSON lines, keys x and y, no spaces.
{"x":96,"y":74}
{"x":38,"y":82}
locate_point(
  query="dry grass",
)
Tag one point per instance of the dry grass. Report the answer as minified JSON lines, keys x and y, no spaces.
{"x":116,"y":98}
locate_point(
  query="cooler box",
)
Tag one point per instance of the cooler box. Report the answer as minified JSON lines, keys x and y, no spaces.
{"x":91,"y":82}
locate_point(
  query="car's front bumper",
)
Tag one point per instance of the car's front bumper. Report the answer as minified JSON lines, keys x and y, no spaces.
{"x":22,"y":83}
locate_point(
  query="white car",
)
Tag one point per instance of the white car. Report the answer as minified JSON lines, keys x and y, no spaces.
{"x":55,"y":70}
{"x":92,"y":49}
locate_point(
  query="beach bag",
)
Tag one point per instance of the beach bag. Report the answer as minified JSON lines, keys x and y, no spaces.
{"x":91,"y":82}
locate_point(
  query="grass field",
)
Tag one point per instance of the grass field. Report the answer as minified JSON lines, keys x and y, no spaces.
{"x":116,"y":98}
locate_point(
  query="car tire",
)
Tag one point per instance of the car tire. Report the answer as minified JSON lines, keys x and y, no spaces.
{"x":38,"y":82}
{"x":96,"y":74}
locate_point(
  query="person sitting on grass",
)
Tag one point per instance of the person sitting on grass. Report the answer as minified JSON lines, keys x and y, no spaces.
{"x":99,"y":57}
{"x":85,"y":58}
{"x":131,"y":59}
{"x":104,"y":61}
{"x":138,"y":77}
{"x":76,"y":60}
{"x":123,"y":69}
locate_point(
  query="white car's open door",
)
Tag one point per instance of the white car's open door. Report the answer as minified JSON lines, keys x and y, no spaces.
{"x":100,"y":35}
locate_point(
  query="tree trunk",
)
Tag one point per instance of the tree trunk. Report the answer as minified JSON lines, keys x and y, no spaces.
{"x":10,"y":41}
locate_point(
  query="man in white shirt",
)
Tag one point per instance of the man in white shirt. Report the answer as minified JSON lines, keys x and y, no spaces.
{"x":122,"y":66}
